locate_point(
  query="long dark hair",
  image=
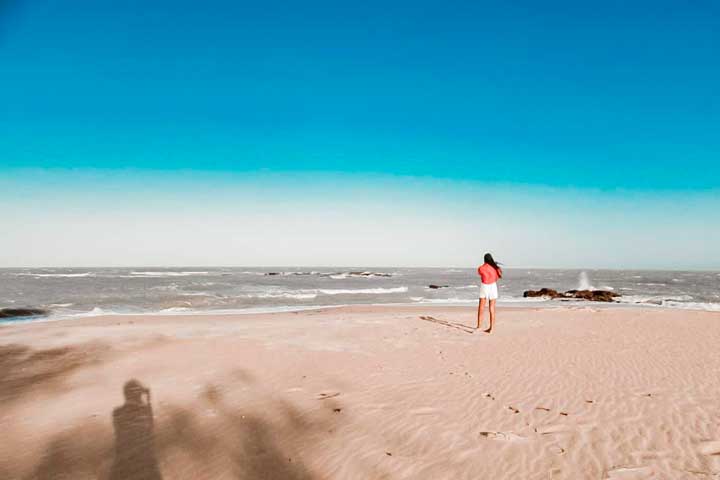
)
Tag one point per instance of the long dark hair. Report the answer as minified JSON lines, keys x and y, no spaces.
{"x":491,"y":261}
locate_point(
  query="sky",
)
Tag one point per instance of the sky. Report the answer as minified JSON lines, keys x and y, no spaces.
{"x":554,"y":134}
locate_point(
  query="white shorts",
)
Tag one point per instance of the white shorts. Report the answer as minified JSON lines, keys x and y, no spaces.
{"x":489,"y":291}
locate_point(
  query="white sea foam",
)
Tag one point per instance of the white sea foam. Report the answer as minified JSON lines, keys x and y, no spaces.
{"x":366,"y":274}
{"x":334,"y":275}
{"x":523,"y":299}
{"x":97,"y":311}
{"x":201,"y":294}
{"x":676,"y":301}
{"x":167,"y":274}
{"x":312,"y":293}
{"x":186,"y":311}
{"x":712,"y":307}
{"x":59,"y":275}
{"x":670,"y":298}
{"x":356,"y":291}
{"x":297,"y":296}
{"x":445,"y":300}
{"x":291,"y":273}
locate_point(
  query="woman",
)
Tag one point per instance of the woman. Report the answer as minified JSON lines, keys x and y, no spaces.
{"x":489,"y":273}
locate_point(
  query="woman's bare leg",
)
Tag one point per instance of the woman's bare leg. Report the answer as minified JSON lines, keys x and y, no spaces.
{"x":481,"y":308}
{"x":492,"y":316}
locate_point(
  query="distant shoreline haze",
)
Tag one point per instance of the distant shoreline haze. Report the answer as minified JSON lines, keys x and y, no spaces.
{"x":74,"y":218}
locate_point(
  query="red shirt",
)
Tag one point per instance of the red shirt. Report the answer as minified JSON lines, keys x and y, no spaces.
{"x":488,"y":274}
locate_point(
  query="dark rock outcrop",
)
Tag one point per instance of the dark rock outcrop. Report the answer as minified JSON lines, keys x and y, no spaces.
{"x":543,"y":292}
{"x":22,"y":312}
{"x":594,"y":295}
{"x":590,"y":295}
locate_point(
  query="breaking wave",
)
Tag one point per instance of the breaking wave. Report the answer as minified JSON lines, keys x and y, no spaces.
{"x":167,"y":274}
{"x":373,"y":291}
{"x":333,"y":275}
{"x":296,"y":296}
{"x":58,"y":275}
{"x":686,"y":302}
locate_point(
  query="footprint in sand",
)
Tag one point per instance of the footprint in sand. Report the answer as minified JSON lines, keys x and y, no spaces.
{"x":557,"y":449}
{"x":630,"y":473}
{"x":710,"y":448}
{"x":558,"y":429}
{"x":503,"y":436}
{"x":325,"y":396}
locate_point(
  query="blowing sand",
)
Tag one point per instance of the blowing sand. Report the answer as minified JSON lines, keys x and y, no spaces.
{"x":365,"y":393}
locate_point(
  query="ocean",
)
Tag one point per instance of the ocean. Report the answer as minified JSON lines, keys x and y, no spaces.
{"x":70,"y":292}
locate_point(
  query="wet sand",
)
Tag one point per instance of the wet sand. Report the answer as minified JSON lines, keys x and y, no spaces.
{"x":364,"y":392}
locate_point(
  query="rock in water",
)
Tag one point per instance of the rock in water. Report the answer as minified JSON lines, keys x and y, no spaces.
{"x":435,"y":287}
{"x":22,"y":312}
{"x":543,"y":292}
{"x":593,"y":295}
{"x":590,"y":295}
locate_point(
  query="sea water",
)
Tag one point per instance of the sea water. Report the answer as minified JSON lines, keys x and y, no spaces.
{"x":95,"y":291}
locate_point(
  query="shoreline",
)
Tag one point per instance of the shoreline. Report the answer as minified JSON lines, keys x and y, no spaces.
{"x":513,"y":305}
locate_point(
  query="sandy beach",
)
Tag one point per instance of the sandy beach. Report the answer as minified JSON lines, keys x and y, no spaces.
{"x":365,"y":392}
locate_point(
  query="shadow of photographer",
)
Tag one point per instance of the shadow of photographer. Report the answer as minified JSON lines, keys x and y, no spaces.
{"x":133,"y":422}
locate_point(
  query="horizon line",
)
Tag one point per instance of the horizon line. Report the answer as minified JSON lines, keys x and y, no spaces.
{"x":649,"y":269}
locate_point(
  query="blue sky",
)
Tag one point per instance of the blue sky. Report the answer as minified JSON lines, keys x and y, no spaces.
{"x":436,"y":107}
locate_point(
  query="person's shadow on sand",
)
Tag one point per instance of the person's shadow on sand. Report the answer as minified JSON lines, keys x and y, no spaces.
{"x":134,"y":443}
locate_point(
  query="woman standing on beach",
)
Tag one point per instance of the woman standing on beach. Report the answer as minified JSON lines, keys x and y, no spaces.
{"x":489,"y":273}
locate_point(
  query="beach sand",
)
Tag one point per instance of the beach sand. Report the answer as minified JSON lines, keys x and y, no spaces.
{"x":365,"y":392}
